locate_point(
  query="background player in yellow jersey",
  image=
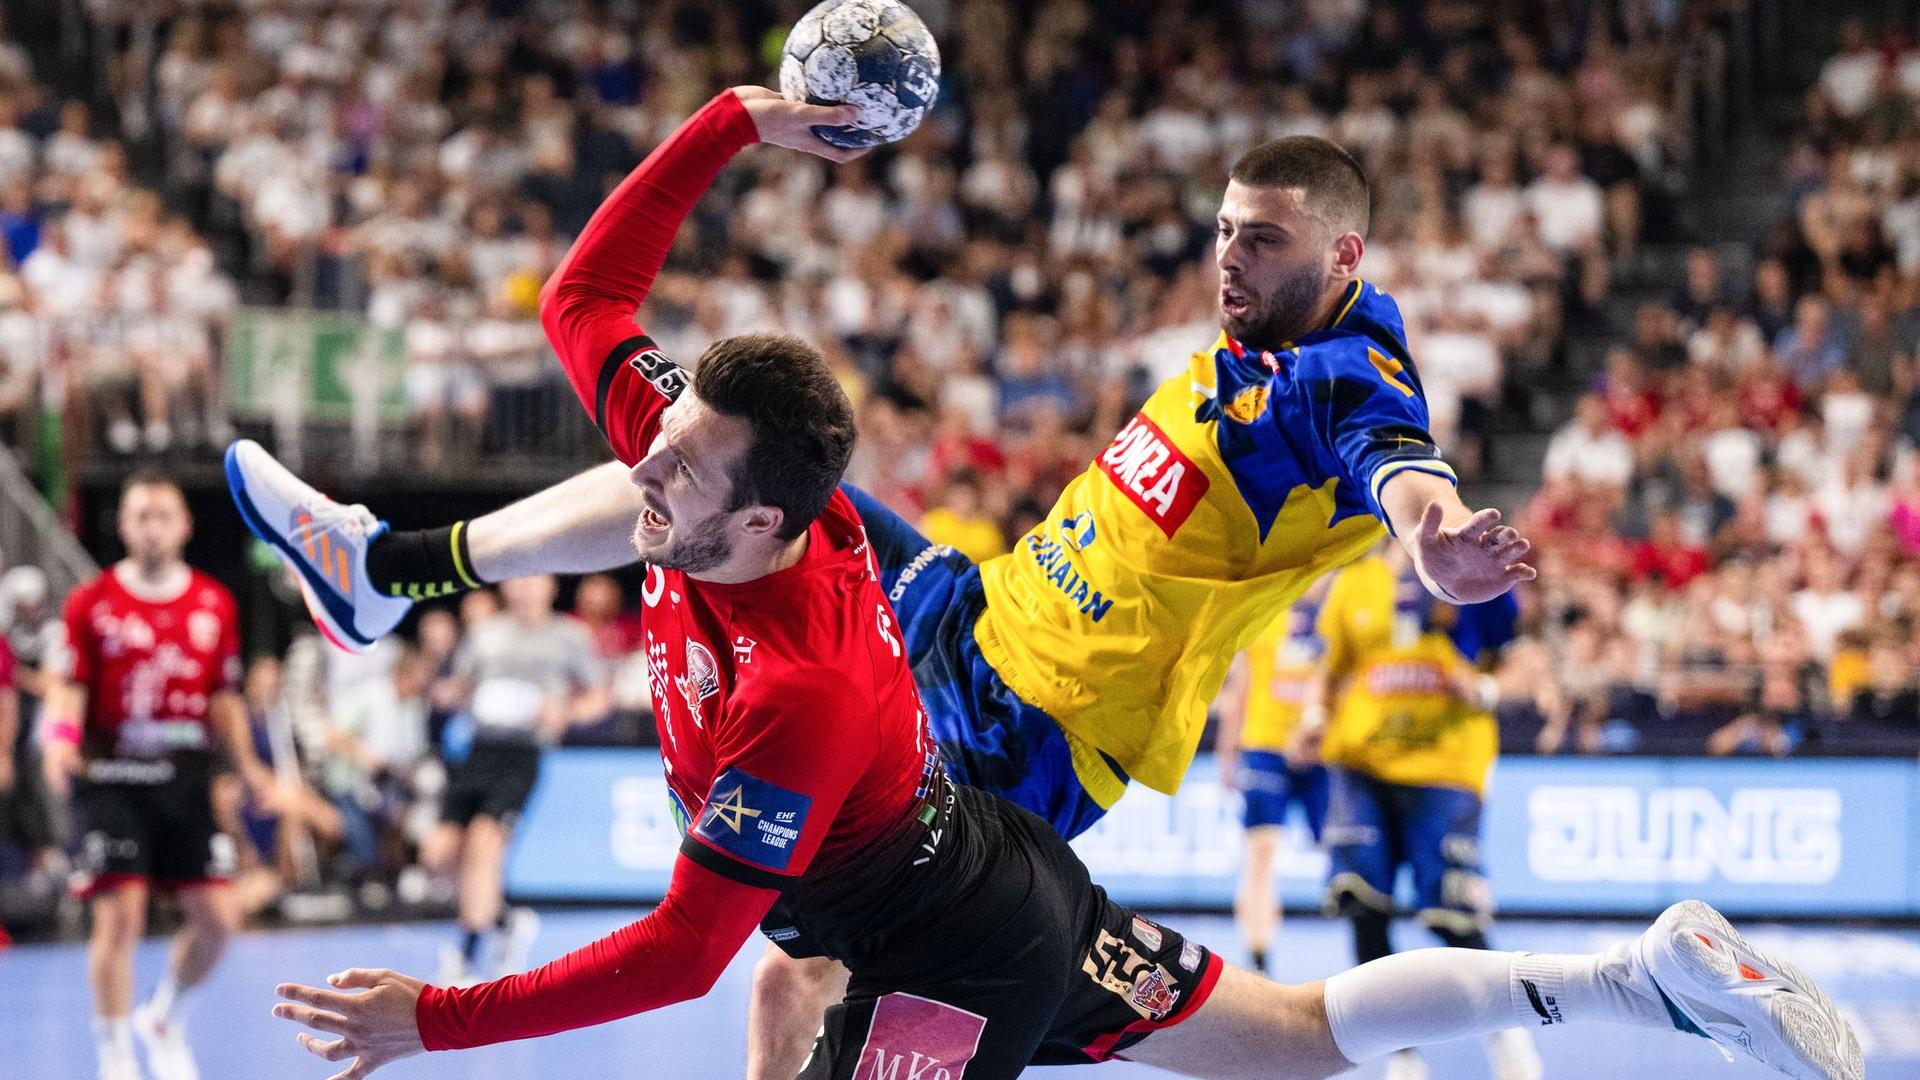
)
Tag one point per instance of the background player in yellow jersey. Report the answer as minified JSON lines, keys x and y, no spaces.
{"x":1409,"y":742}
{"x":1263,"y":703}
{"x":1087,"y":656}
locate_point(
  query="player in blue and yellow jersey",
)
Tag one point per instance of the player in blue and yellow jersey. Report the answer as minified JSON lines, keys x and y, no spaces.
{"x":1087,"y":656}
{"x":1264,"y":702}
{"x":1409,"y":742}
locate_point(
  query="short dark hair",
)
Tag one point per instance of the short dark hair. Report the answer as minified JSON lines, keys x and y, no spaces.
{"x":802,"y":423}
{"x":1335,"y":185}
{"x":149,"y":476}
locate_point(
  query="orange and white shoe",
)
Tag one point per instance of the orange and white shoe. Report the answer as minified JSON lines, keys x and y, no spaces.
{"x":324,"y":541}
{"x":1717,"y":986}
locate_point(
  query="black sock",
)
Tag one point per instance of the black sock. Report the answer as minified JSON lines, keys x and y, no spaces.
{"x":1458,"y":939}
{"x":1371,"y":935}
{"x":470,"y":945}
{"x":1260,"y":961}
{"x":422,"y":564}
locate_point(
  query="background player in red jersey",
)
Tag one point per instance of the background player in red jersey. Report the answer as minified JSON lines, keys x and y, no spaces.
{"x":151,"y":686}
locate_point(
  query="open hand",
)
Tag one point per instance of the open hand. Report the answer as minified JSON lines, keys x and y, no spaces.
{"x":375,"y":1027}
{"x":791,"y":123}
{"x":1477,"y":561}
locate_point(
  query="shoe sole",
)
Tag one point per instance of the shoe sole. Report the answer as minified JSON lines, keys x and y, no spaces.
{"x":330,"y":627}
{"x":1807,"y":1038}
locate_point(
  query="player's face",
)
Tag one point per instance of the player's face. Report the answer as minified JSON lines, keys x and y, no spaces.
{"x":1276,"y":263}
{"x":686,"y":485}
{"x":154,"y":524}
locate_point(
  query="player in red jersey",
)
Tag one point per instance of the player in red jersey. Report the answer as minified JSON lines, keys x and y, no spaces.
{"x":816,"y":805}
{"x":153,"y":650}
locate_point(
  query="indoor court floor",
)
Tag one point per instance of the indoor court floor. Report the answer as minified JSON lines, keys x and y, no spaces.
{"x":1874,"y":974}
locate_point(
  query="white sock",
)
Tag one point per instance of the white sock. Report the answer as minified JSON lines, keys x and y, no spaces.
{"x":113,"y":1039}
{"x":170,"y":1001}
{"x":1433,"y":995}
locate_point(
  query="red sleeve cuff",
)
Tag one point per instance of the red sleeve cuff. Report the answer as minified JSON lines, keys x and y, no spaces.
{"x":426,"y":1013}
{"x":736,"y":122}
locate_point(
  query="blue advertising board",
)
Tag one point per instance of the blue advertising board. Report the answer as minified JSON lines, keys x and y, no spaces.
{"x":1609,"y":835}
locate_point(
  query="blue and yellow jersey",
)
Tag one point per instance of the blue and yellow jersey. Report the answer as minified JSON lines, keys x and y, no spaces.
{"x":1282,"y":664}
{"x":1236,"y":485}
{"x":1400,"y":717}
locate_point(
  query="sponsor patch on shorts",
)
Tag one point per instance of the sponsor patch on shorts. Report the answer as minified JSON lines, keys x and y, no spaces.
{"x":1147,"y":933}
{"x":915,"y":1036}
{"x":1190,"y":955}
{"x":752,"y":820}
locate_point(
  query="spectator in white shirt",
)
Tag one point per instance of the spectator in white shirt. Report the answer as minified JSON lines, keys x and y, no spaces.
{"x":1825,"y":607}
{"x":1590,"y":448}
{"x":1732,"y":452}
{"x":1849,"y":76}
{"x":1568,"y":207}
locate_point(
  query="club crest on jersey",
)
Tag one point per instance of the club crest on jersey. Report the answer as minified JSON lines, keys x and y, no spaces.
{"x":203,"y":629}
{"x":701,"y":681}
{"x":1153,"y":474}
{"x":1077,"y":531}
{"x":1248,"y":405}
{"x":1153,"y":993}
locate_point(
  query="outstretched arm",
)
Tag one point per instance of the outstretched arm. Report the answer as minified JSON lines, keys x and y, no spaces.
{"x":1462,"y":557}
{"x":674,"y":954}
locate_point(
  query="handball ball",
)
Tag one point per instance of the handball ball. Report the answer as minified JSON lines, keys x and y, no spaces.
{"x":875,"y":54}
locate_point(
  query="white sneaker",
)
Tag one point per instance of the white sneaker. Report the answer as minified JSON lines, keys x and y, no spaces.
{"x":1512,"y":1055}
{"x":454,"y":971}
{"x":1405,"y":1065}
{"x":127,"y":1069}
{"x":168,"y":1056}
{"x":324,"y":542}
{"x":514,"y":943}
{"x":1718,"y":986}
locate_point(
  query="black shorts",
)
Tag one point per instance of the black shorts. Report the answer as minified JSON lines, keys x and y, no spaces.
{"x":149,"y":821}
{"x":493,"y":781}
{"x":1036,"y":967}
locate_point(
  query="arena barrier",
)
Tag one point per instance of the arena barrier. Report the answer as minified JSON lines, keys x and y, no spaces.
{"x":1594,"y":836}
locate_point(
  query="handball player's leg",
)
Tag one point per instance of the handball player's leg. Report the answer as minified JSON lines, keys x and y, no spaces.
{"x":212,"y":912}
{"x":482,"y":858}
{"x":1255,"y":907}
{"x":119,"y":915}
{"x":1690,"y":972}
{"x":790,"y":998}
{"x":359,"y":578}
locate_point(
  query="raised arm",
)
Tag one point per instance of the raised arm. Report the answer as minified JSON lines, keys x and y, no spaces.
{"x":588,"y":305}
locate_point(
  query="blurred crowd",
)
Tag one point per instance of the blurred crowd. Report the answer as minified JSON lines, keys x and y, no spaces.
{"x":998,"y":289}
{"x":1730,"y":523}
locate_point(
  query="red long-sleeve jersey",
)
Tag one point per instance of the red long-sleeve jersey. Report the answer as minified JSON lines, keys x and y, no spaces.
{"x":789,"y":723}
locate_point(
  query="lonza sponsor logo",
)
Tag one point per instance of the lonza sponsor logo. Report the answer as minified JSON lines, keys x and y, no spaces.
{"x":1152,"y":472}
{"x":1758,"y":836}
{"x":1412,"y":677}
